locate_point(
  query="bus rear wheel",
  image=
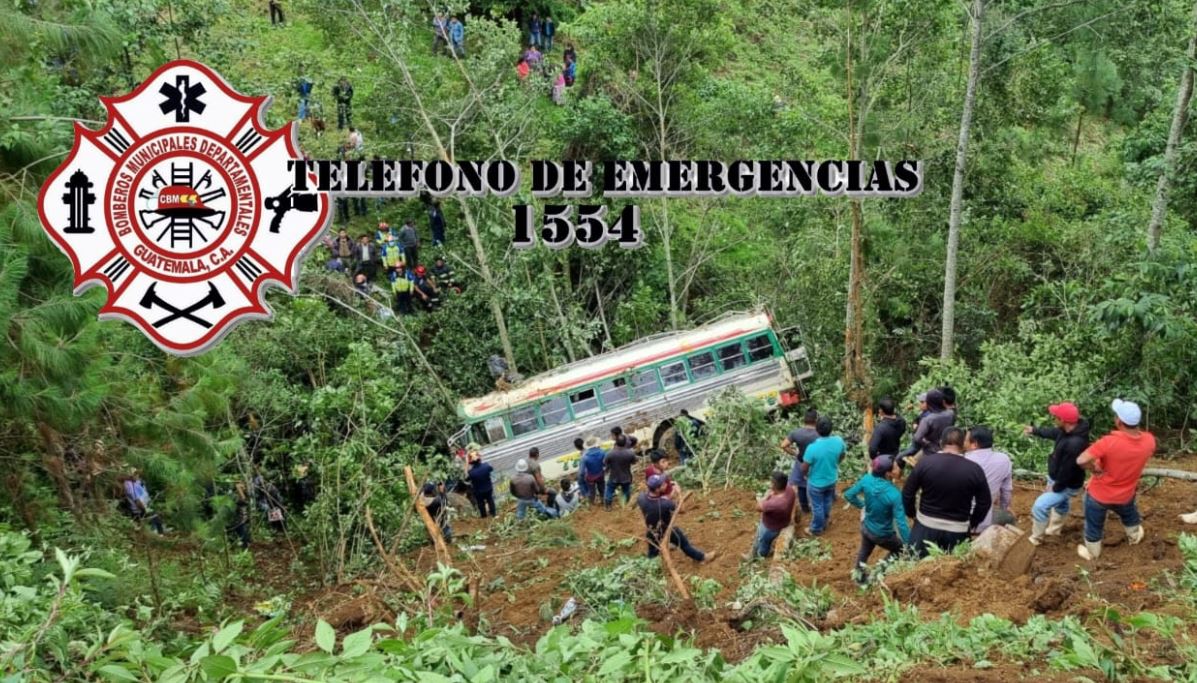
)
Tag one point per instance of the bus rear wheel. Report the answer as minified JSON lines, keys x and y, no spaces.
{"x":665,"y":441}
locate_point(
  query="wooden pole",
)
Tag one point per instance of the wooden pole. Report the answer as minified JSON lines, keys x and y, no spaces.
{"x":404,"y":575}
{"x":663,"y":544}
{"x":434,"y":530}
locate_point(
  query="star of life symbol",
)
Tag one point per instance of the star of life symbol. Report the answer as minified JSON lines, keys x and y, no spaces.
{"x":172,"y":207}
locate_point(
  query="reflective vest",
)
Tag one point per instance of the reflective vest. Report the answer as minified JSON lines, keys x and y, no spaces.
{"x":401,"y":285}
{"x":392,"y":253}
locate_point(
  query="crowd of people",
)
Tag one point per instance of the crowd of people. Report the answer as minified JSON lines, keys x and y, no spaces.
{"x":958,"y":484}
{"x":392,"y":255}
{"x":932,"y":485}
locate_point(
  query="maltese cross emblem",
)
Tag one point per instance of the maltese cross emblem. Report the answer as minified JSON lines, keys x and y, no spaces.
{"x":173,"y":207}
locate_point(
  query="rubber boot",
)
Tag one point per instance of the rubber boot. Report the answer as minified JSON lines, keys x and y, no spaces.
{"x":1055,"y":523}
{"x":1190,"y":518}
{"x":1090,"y":550}
{"x":1037,"y":530}
{"x":1134,"y":534}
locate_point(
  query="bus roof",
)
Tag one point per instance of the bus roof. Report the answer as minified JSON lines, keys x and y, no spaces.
{"x":613,"y":363}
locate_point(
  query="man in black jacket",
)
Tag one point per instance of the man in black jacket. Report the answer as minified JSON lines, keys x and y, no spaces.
{"x":658,"y":511}
{"x":1065,"y":478}
{"x":930,"y":431}
{"x":887,"y":433}
{"x":952,"y":496}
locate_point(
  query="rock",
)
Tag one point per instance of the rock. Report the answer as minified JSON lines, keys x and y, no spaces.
{"x":1006,"y":549}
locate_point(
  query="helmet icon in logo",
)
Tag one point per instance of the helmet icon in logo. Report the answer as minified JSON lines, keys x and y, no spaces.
{"x":168,"y":213}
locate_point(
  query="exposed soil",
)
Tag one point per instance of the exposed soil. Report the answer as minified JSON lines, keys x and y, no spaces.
{"x":520,"y":586}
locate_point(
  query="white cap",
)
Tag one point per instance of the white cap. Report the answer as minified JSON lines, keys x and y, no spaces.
{"x":1127,"y":411}
{"x":521,"y":466}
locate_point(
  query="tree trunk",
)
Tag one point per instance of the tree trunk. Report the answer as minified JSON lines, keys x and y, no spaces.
{"x":855,"y":381}
{"x":54,"y":463}
{"x":1179,"y":115}
{"x":496,"y":306}
{"x":948,"y":341}
{"x":1076,"y":139}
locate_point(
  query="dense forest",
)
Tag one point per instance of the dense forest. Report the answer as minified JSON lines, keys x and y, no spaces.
{"x":1052,"y":255}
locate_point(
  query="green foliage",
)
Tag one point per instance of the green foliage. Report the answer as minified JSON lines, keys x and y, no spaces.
{"x":777,"y":601}
{"x":807,"y":549}
{"x":630,"y":580}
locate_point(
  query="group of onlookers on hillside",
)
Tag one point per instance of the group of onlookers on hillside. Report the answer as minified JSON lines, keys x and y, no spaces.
{"x":937,"y":488}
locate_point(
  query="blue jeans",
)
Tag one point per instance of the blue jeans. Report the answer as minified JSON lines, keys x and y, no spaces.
{"x":1095,"y":516}
{"x":548,"y":42}
{"x":522,"y":505}
{"x":303,"y":108}
{"x":1050,"y":500}
{"x":763,"y":547}
{"x":821,"y":500}
{"x":534,"y":38}
{"x":609,"y":495}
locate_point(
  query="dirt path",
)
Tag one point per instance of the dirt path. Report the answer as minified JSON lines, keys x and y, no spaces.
{"x":516,"y":579}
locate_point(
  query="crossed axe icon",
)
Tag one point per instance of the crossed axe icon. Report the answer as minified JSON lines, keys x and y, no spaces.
{"x":213,"y":298}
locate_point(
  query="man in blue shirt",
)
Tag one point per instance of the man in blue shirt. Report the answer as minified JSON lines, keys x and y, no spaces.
{"x":591,"y":473}
{"x":457,"y":36}
{"x":882,"y":503}
{"x":481,"y":483}
{"x":821,"y":465}
{"x":794,"y":444}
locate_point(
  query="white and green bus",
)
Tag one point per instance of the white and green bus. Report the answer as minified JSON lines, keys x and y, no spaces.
{"x":642,"y":387}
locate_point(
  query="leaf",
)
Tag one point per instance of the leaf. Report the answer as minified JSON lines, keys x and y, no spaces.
{"x":614,"y":663}
{"x":326,"y":637}
{"x":226,"y":635}
{"x":98,"y":573}
{"x":357,"y":644}
{"x":117,"y":673}
{"x":218,"y":667}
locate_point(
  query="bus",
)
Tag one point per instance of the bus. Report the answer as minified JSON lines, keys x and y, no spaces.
{"x":641,"y":387}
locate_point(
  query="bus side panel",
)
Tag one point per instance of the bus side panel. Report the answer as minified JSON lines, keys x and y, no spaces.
{"x":640,"y":418}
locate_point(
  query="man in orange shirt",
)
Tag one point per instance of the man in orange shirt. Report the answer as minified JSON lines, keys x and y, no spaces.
{"x":1117,"y":461}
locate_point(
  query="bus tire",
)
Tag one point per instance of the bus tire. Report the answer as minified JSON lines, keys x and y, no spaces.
{"x":663,"y":440}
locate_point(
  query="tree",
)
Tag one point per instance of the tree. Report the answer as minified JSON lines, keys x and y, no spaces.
{"x":1180,"y":114}
{"x":955,"y":210}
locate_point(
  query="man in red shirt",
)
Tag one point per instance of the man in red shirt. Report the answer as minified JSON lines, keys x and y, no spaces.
{"x":776,"y":508}
{"x":660,"y":467}
{"x":1117,"y":461}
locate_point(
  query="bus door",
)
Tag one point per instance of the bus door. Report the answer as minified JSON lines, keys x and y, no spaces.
{"x":794,"y":349}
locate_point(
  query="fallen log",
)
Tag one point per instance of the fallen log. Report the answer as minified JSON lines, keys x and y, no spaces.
{"x":1183,"y":475}
{"x":663,"y":544}
{"x":434,"y":530}
{"x":777,"y":570}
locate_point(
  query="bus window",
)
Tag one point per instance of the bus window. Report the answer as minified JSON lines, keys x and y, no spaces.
{"x":490,"y":431}
{"x":614,"y":392}
{"x":674,"y":374}
{"x":760,"y":348}
{"x":731,"y":356}
{"x":584,"y":401}
{"x":554,"y":411}
{"x":702,"y":366}
{"x":645,"y":384}
{"x":523,"y":420}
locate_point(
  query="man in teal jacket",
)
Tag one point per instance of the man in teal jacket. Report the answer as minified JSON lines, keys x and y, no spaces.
{"x":882,"y":503}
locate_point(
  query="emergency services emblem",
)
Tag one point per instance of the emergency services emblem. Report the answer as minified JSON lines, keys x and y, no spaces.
{"x":182,"y":207}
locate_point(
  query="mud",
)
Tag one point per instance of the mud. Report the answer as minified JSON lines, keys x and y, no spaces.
{"x":520,"y":585}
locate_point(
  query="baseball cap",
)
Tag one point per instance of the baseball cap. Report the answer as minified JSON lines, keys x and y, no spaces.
{"x":882,"y":464}
{"x":1066,"y":412}
{"x":655,"y":482}
{"x":521,"y":466}
{"x":592,"y":441}
{"x":1127,"y":411}
{"x":922,"y":397}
